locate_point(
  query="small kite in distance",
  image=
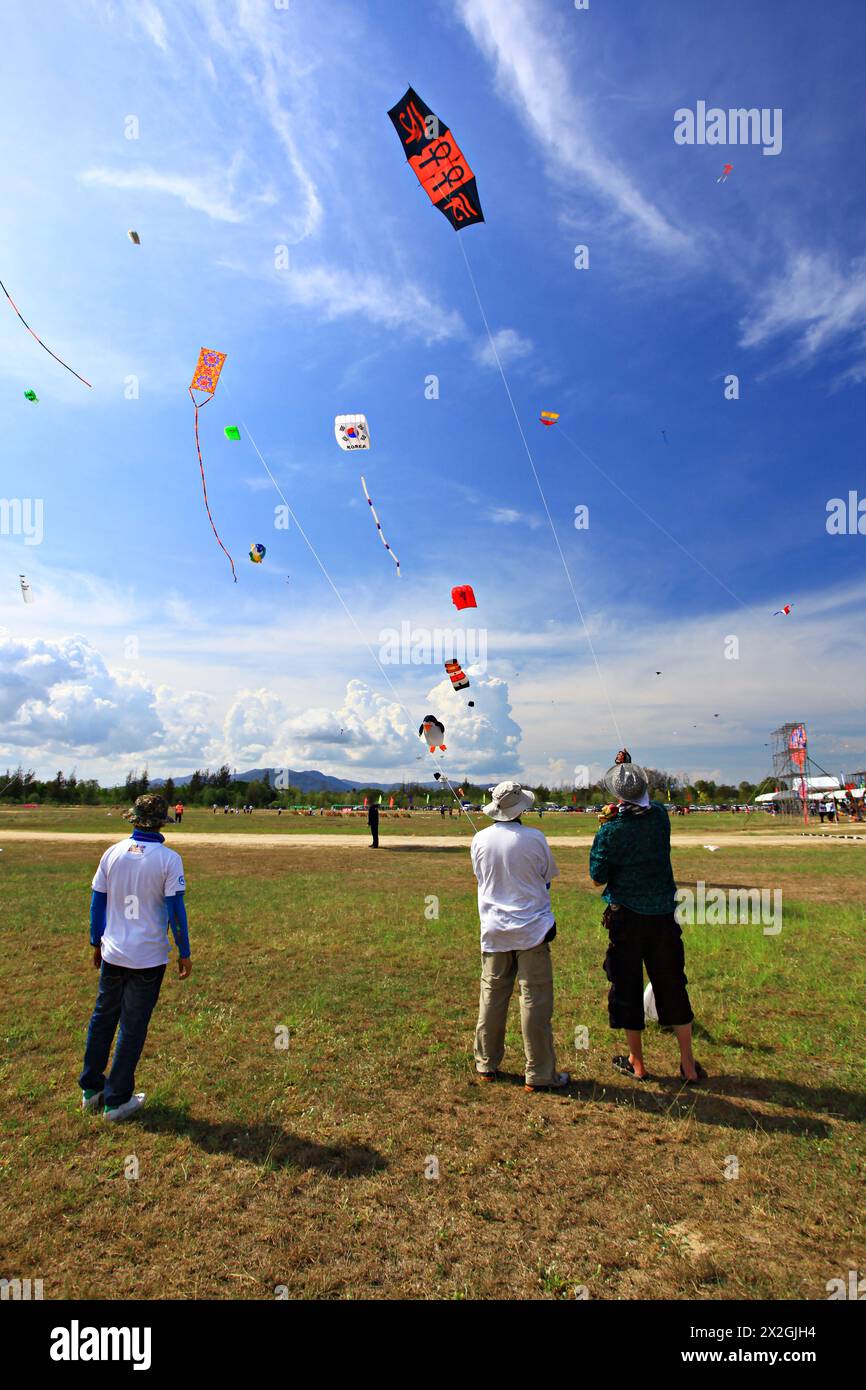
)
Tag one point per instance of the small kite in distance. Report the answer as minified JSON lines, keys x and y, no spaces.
{"x":134,"y":237}
{"x":784,"y":611}
{"x":38,"y":339}
{"x":549,"y":417}
{"x":205,"y":379}
{"x":723,"y":177}
{"x":257,"y":553}
{"x":26,"y":591}
{"x":463,"y":596}
{"x":232,"y":432}
{"x":31,"y":396}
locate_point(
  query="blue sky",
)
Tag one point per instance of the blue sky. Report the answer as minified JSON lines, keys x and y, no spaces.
{"x":259,"y":128}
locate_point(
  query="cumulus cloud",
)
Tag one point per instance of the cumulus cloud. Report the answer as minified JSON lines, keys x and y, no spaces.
{"x":369,"y":730}
{"x":59,"y":699}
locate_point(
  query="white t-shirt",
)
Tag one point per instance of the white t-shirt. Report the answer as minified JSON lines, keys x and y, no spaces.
{"x":137,"y":875}
{"x":513,"y":865}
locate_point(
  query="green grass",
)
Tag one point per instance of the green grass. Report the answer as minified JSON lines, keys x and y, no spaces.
{"x":109,"y":821}
{"x":261,"y":1167}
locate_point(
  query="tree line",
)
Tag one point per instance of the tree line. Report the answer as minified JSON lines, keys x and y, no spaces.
{"x":206,"y":788}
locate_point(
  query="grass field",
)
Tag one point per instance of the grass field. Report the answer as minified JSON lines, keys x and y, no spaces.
{"x":305,"y":1167}
{"x":110,"y":821}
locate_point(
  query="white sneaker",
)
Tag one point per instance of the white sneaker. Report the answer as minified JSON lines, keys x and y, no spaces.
{"x":92,"y":1100}
{"x":125,"y":1111}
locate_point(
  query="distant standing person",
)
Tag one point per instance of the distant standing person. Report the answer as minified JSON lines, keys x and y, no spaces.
{"x":514,"y":868}
{"x":373,"y":822}
{"x":178,"y":812}
{"x":130,"y":949}
{"x":631,"y":859}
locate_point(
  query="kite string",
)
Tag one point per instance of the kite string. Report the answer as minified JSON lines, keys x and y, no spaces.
{"x":39,"y":340}
{"x":204,"y":484}
{"x":498,"y":361}
{"x":348,"y":611}
{"x":608,"y":479}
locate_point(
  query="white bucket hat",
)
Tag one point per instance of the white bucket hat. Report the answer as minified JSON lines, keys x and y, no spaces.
{"x":510,"y":800}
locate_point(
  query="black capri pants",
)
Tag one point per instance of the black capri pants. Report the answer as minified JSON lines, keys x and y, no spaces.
{"x":635,"y":940}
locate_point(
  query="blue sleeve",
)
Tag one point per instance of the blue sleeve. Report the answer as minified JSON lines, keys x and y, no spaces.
{"x":98,"y":904}
{"x":177,"y":921}
{"x":599,"y":866}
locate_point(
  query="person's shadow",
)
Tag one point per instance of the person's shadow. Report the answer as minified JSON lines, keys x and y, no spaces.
{"x":267,"y":1146}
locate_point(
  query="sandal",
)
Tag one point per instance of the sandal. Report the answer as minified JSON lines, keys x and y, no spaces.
{"x":624,"y":1065}
{"x":701,"y":1075}
{"x":487,"y":1075}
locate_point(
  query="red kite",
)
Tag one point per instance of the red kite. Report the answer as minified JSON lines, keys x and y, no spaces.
{"x":462,"y":596}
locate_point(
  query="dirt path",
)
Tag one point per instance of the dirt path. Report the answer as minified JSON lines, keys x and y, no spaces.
{"x":360,"y":841}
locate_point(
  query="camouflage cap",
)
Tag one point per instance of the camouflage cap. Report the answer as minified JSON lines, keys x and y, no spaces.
{"x":149,"y":812}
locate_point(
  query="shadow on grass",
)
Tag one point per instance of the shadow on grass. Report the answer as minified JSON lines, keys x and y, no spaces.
{"x":268,"y":1146}
{"x":714,"y":1102}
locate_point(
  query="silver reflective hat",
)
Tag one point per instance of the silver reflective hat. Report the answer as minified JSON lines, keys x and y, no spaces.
{"x":628,"y":781}
{"x":510,"y":800}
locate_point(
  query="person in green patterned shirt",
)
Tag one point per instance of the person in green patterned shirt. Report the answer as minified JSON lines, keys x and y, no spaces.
{"x":630,"y":859}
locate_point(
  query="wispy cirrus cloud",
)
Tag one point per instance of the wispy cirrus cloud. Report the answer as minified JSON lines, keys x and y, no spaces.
{"x":152,"y":22}
{"x":508,"y":516}
{"x":214,"y":194}
{"x":532,"y":76}
{"x":816,"y":303}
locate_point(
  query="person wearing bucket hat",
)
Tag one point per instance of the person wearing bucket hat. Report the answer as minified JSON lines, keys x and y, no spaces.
{"x":514,"y":868}
{"x":631,"y":860}
{"x":138,"y":893}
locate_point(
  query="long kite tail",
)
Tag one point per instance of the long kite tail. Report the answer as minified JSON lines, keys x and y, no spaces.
{"x":379,"y":528}
{"x":204,"y":486}
{"x":38,"y":339}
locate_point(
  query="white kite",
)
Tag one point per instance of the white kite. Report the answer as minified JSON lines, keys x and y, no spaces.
{"x":352,"y":432}
{"x":26,"y":591}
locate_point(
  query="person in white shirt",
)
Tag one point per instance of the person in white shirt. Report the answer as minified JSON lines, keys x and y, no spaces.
{"x":514,"y":868}
{"x":138,"y":893}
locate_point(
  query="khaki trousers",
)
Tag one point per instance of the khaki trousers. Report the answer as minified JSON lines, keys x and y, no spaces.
{"x":533,"y":971}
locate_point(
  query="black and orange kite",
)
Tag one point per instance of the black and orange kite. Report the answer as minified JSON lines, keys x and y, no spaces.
{"x":437,"y":160}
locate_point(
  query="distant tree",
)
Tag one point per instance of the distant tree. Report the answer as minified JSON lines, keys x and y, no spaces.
{"x":222,"y":777}
{"x":194,"y":785}
{"x":168,"y":790}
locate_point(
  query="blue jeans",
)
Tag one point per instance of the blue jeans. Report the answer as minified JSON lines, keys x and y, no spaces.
{"x":128,"y":997}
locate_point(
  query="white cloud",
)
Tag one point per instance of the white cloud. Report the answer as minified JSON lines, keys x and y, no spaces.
{"x":507,"y":345}
{"x":815,"y":302}
{"x":212,"y":194}
{"x":518,"y":40}
{"x":509,"y":516}
{"x":394,"y":304}
{"x":152,"y":22}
